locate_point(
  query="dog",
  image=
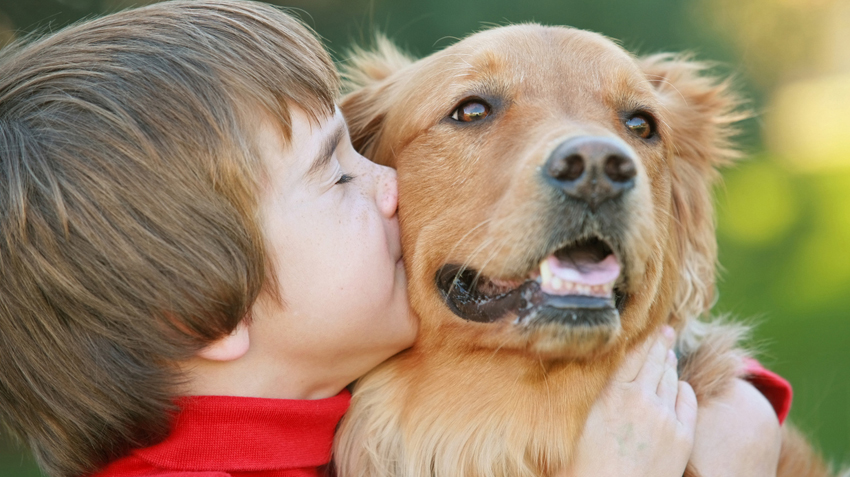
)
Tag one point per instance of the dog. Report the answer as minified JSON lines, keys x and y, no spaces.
{"x":556,"y":209}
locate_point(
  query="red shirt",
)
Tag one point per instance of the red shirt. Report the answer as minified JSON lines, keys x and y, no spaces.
{"x":220,"y":436}
{"x":774,"y":387}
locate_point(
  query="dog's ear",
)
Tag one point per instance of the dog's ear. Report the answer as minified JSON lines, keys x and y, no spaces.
{"x":366,"y":76}
{"x":699,"y":112}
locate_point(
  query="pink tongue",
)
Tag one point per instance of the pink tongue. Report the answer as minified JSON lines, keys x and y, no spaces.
{"x":587,"y":273}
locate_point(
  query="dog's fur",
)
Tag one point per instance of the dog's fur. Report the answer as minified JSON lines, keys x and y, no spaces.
{"x":507,"y":398}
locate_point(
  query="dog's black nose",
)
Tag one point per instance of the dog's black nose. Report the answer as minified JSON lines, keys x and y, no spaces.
{"x":592,"y":169}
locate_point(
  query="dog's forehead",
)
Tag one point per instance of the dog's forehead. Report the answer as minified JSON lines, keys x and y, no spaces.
{"x":531,"y":54}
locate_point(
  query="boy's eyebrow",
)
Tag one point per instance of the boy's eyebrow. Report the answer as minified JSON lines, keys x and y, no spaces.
{"x":327,"y":150}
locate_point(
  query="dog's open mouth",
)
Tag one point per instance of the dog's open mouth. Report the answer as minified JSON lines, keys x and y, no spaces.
{"x":574,"y":285}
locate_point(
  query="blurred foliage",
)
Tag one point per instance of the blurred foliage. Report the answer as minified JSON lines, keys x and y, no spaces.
{"x":783,"y":215}
{"x":784,"y":267}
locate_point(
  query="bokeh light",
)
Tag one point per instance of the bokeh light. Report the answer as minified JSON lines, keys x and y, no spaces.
{"x":809,"y":124}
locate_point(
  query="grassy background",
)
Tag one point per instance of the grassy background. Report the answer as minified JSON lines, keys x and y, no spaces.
{"x":783,"y":214}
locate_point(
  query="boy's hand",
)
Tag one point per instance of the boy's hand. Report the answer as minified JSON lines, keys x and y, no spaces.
{"x":737,"y":434}
{"x":643,"y":422}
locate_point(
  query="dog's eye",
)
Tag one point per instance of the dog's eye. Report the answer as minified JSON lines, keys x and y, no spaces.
{"x":641,"y":126}
{"x":471,"y":111}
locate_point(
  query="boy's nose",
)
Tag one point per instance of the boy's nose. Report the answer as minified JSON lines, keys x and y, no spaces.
{"x":387,"y":191}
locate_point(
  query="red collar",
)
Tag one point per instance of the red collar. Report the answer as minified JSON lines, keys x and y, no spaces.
{"x":238,"y":434}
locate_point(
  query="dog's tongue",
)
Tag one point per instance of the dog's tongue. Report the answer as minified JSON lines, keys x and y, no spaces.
{"x":583,"y":269}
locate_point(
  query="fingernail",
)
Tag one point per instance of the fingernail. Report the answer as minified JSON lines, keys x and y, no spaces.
{"x":668,"y":332}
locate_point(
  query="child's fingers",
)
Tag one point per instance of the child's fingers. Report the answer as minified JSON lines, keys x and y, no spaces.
{"x":653,"y":369}
{"x":668,"y":387}
{"x":630,"y":367}
{"x":636,"y":358}
{"x":686,"y":407}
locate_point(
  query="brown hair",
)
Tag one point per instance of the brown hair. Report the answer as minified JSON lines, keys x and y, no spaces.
{"x":127,"y":210}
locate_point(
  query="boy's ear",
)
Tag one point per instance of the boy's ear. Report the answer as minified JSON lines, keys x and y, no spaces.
{"x":366,"y":77}
{"x":699,"y":112}
{"x":230,"y":347}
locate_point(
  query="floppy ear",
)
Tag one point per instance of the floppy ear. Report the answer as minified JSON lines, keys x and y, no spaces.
{"x":699,"y":111}
{"x":366,"y":78}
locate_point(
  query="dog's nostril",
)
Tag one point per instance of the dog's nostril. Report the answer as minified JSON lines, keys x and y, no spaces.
{"x":569,"y":168}
{"x":619,"y":168}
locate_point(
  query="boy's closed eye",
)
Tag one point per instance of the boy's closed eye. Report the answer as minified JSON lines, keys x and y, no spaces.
{"x":345,"y":178}
{"x":327,"y":150}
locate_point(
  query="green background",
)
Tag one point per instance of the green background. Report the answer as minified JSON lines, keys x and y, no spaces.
{"x":783,"y":212}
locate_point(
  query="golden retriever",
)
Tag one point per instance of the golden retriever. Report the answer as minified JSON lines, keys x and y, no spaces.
{"x":555,"y":205}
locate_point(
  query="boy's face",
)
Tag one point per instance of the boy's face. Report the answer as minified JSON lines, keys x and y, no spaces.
{"x":329,"y":220}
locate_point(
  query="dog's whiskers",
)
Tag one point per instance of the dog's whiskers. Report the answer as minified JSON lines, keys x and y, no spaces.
{"x":465,"y":264}
{"x":494,"y":252}
{"x":466,"y":235}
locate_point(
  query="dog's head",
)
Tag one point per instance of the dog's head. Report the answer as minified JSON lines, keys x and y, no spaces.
{"x":554,"y":190}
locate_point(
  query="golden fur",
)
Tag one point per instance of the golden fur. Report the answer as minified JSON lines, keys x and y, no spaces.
{"x":500,"y":399}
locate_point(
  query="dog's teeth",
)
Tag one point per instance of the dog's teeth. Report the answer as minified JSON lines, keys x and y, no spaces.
{"x":545,"y":272}
{"x":557,"y":283}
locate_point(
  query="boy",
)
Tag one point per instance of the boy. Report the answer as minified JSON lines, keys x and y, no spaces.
{"x":133,"y":234}
{"x":182,"y":214}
